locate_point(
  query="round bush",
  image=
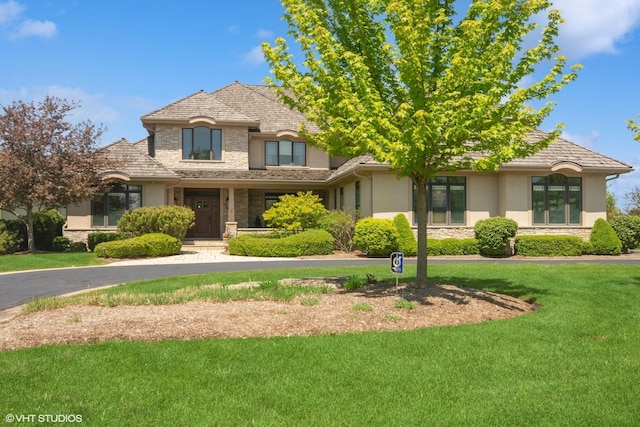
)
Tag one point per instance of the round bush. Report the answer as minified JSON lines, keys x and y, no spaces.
{"x":627,"y":228}
{"x":604,"y":240}
{"x":493,"y":235}
{"x":171,"y":220}
{"x":376,"y":236}
{"x":341,"y":226}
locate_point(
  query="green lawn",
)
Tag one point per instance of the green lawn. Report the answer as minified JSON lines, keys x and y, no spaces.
{"x":48,"y":260}
{"x":574,"y":362}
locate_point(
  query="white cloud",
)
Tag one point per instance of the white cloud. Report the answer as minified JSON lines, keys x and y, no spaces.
{"x":264,"y":34}
{"x":595,"y":26}
{"x":16,"y":27}
{"x":118,"y":114}
{"x":28,"y":28}
{"x":586,"y":140}
{"x":254,"y":57}
{"x":9,"y":11}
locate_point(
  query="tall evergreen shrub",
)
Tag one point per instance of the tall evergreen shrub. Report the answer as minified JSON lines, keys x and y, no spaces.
{"x":604,"y":239}
{"x":407,"y":242}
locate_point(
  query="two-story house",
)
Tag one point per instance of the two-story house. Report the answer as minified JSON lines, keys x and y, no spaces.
{"x":231,"y":153}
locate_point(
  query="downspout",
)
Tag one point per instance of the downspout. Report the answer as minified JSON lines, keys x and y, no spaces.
{"x":616,"y":176}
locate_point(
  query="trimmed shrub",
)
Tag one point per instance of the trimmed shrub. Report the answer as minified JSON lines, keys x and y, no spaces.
{"x":434,"y":247}
{"x":171,"y":220}
{"x":549,"y":246}
{"x":98,"y":237}
{"x":604,"y":240}
{"x":149,"y":245}
{"x":452,"y":246}
{"x":10,"y":239}
{"x":310,"y":242}
{"x":61,"y":244}
{"x":77,"y":247}
{"x":407,"y":242}
{"x":376,"y":236}
{"x":627,"y":228}
{"x":493,"y":235}
{"x":295,"y":213}
{"x":341,"y":226}
{"x":47,"y":226}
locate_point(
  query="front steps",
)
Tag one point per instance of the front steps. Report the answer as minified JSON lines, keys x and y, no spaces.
{"x":203,"y":245}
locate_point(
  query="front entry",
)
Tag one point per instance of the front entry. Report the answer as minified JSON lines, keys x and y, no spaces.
{"x":207,"y":209}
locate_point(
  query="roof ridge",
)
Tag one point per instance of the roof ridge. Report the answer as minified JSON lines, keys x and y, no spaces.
{"x":174,"y":103}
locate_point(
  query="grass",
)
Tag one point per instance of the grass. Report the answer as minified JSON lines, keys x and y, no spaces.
{"x":48,"y":260}
{"x":575,"y":361}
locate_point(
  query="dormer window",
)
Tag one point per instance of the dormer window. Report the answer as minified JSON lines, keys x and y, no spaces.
{"x":285,"y":153}
{"x":201,"y":143}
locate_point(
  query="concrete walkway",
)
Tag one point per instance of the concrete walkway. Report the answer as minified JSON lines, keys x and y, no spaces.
{"x":195,"y":257}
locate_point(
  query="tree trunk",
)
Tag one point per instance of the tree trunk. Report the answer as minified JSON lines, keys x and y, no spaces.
{"x":31,"y":242}
{"x":421,"y":200}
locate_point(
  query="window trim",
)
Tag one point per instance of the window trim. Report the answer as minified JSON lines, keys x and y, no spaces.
{"x":215,"y":153}
{"x":448,"y":181}
{"x":121,"y":188}
{"x":278,"y":144}
{"x":569,"y":187}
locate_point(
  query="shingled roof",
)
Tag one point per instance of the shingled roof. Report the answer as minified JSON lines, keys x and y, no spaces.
{"x":255,"y":105}
{"x":134,"y":163}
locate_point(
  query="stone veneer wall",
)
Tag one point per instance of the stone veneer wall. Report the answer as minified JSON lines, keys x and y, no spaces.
{"x":241,"y":197}
{"x":467,"y":232}
{"x":235,"y":150}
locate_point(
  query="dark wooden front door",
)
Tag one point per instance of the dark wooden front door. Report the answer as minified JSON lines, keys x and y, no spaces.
{"x":207,"y":209}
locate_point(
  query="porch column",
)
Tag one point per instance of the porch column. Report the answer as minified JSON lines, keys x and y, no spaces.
{"x":231,"y":226}
{"x":231,"y":206}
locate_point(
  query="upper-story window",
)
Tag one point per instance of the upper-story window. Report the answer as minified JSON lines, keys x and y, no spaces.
{"x":201,"y":143}
{"x":557,"y":199}
{"x":285,"y":153}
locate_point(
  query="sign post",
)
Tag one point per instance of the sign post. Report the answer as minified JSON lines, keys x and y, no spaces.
{"x":397,"y":265}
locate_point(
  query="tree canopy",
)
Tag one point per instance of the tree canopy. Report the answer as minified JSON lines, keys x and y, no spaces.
{"x":634,"y":127}
{"x":420,"y":86}
{"x":45,"y":161}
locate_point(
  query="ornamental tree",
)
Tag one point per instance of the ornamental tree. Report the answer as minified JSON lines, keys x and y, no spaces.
{"x":419,"y":86}
{"x":46,"y":162}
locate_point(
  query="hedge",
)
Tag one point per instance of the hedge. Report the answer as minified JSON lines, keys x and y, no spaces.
{"x":452,"y":246}
{"x":310,"y":242}
{"x":627,"y":228}
{"x":549,"y":246}
{"x":148,"y":245}
{"x":98,"y":237}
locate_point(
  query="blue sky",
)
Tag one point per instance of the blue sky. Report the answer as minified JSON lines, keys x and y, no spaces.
{"x":123,"y":59}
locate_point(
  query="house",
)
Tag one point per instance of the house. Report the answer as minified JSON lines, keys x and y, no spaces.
{"x":231,"y":153}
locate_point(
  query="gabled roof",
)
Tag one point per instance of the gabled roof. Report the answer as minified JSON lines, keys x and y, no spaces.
{"x":262,"y":103}
{"x":255,"y":105}
{"x":197,"y":106}
{"x":135,"y":164}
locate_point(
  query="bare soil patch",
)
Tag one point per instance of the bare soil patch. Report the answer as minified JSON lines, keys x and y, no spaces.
{"x":338,"y":312}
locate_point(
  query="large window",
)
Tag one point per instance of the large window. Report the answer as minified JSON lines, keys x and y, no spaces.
{"x":201,"y":143}
{"x":557,"y":200}
{"x":285,"y":153}
{"x":108,"y":208}
{"x":446,"y":200}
